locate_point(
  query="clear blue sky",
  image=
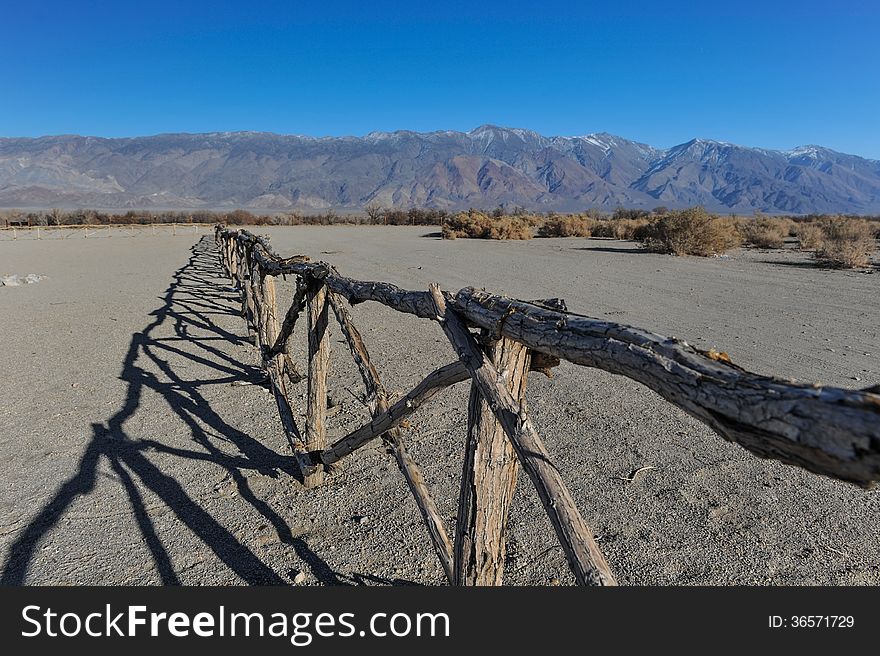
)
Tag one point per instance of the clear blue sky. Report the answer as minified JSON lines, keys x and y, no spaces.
{"x":774,"y":73}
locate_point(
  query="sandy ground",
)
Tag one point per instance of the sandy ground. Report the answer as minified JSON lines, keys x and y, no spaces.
{"x":129,"y":453}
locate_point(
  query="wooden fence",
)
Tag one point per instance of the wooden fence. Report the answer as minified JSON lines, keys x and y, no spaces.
{"x":497,"y":341}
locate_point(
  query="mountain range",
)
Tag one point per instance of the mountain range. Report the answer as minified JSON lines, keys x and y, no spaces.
{"x":483,"y":168}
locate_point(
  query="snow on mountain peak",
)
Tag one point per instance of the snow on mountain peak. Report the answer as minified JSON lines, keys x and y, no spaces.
{"x":804,"y":151}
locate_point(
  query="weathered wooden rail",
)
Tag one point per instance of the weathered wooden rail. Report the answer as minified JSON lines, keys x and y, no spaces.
{"x":826,"y":430}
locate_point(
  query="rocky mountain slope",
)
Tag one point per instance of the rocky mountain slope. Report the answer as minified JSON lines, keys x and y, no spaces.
{"x":482,"y":168}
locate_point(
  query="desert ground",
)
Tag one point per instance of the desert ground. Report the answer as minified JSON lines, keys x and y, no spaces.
{"x":131,"y":452}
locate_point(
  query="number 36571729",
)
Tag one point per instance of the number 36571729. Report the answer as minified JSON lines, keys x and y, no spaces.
{"x":811,"y":622}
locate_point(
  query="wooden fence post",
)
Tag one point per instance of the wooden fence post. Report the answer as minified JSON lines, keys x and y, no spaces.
{"x":275,"y":368}
{"x":489,"y":475}
{"x":257,"y":309}
{"x":584,"y":556}
{"x":319,"y":364}
{"x":222,"y":243}
{"x":233,"y":259}
{"x":247,"y":304}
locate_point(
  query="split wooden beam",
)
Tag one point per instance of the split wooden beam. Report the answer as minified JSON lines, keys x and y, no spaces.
{"x":275,"y":368}
{"x":583,"y":554}
{"x":256,"y":308}
{"x":489,"y":473}
{"x":368,"y":372}
{"x":279,"y":345}
{"x":233,"y":260}
{"x":319,"y":366}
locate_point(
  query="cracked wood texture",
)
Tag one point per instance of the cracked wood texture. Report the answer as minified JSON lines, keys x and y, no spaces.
{"x":275,"y":367}
{"x":826,"y":430}
{"x":583,"y":554}
{"x":488,"y":477}
{"x":319,"y":365}
{"x":290,"y":318}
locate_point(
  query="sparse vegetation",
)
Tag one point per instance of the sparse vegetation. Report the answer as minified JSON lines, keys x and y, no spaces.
{"x":373,"y":215}
{"x":571,"y":225}
{"x":846,"y":243}
{"x":622,"y":228}
{"x":691,"y":232}
{"x":476,"y":225}
{"x":838,"y":241}
{"x":765,"y":232}
{"x":809,"y":236}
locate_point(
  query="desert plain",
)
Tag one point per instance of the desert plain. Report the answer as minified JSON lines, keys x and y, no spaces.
{"x":138,"y":444}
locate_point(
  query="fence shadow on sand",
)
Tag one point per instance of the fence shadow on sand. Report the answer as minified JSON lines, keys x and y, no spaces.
{"x":196,"y":294}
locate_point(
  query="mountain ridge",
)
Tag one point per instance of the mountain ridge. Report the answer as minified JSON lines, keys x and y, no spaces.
{"x":484,"y":167}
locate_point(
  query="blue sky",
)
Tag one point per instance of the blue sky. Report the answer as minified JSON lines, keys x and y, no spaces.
{"x":770,"y":74}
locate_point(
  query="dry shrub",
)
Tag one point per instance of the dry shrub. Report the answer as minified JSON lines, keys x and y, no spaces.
{"x":476,"y":225}
{"x":736,"y":224}
{"x":602,"y":228}
{"x":791,"y":227}
{"x":766,"y":233}
{"x":809,"y":236}
{"x":571,"y":225}
{"x":691,"y":232}
{"x":846,"y":243}
{"x":630,"y":229}
{"x":508,"y":227}
{"x":531,"y":220}
{"x":471,"y":225}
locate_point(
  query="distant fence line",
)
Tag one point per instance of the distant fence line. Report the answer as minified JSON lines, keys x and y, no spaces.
{"x":497,"y":341}
{"x":15,"y":232}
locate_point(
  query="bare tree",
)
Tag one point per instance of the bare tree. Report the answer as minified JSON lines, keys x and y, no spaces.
{"x":374,"y":212}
